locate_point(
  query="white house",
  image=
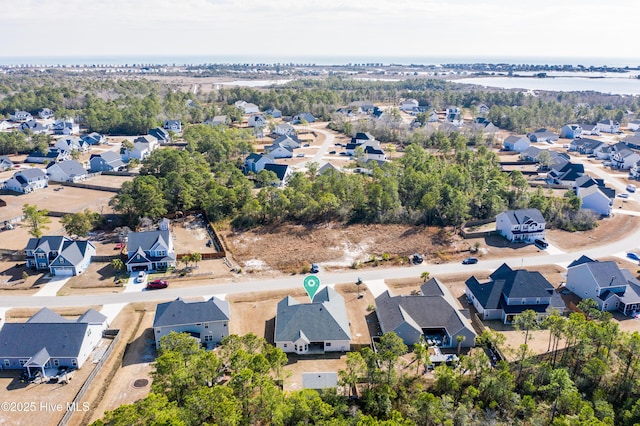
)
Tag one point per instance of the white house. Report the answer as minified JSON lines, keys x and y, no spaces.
{"x":45,"y":114}
{"x":284,"y":129}
{"x":408,"y":105}
{"x":173,"y":125}
{"x":256,"y":162}
{"x":624,"y":159}
{"x":525,"y":225}
{"x":247,"y":107}
{"x":150,"y":251}
{"x":608,"y":126}
{"x":571,"y":131}
{"x":207,"y":321}
{"x":257,"y":121}
{"x":316,"y":327}
{"x":66,"y":171}
{"x":21,"y":116}
{"x":371,"y":153}
{"x":69,"y":144}
{"x":5,"y":163}
{"x":62,"y":127}
{"x":611,"y":287}
{"x":26,"y":181}
{"x":633,"y":125}
{"x":516,"y":143}
{"x":595,"y":198}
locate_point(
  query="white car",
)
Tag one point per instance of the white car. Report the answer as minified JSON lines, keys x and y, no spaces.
{"x":141,"y":276}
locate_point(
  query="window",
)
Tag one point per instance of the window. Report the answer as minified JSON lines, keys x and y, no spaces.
{"x":208,"y":338}
{"x":224,"y":325}
{"x":23,"y":362}
{"x":56,"y":362}
{"x":328,"y":344}
{"x":198,"y":324}
{"x":74,"y":362}
{"x":7,"y":363}
{"x":295,"y":347}
{"x":157,"y":330}
{"x":284,"y":346}
{"x":206,"y":325}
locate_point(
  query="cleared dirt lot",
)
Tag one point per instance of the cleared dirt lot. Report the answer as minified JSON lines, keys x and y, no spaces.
{"x":608,"y":230}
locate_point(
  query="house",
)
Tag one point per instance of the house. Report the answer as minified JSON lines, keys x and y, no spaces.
{"x":348,"y":112}
{"x":62,"y":127}
{"x":510,"y":292}
{"x":634,"y":172}
{"x":571,"y":131}
{"x":283,"y":129}
{"x":603,"y":152}
{"x":282,"y":171}
{"x":542,"y":135}
{"x":590,"y":130}
{"x":328,"y":168}
{"x":173,"y":125}
{"x":207,"y":321}
{"x":633,"y":125}
{"x":585,"y":145}
{"x":140,"y":151}
{"x":5,"y":163}
{"x":596,"y":198}
{"x":454,"y":116}
{"x":161,"y":135}
{"x":26,"y":181}
{"x":377,"y":113}
{"x":274,"y":112}
{"x":481,"y":124}
{"x":60,"y":255}
{"x":363,"y":107}
{"x":433,"y":117}
{"x":317,"y":327}
{"x":278,"y":151}
{"x":47,"y":341}
{"x":371,"y":153}
{"x":150,"y":251}
{"x":516,"y":143}
{"x":624,"y":159}
{"x":256,"y":162}
{"x":362,"y":139}
{"x":611,"y":287}
{"x":289,"y":141}
{"x":34,"y":127}
{"x":247,"y":108}
{"x":303,"y":116}
{"x":565,"y":175}
{"x":524,"y":225}
{"x":66,"y":171}
{"x":107,"y":161}
{"x":94,"y":138}
{"x":433,"y":314}
{"x":69,"y":144}
{"x":218,"y":120}
{"x":408,"y":105}
{"x":52,"y":155}
{"x":257,"y":121}
{"x":608,"y":126}
{"x":483,"y":109}
{"x":6,"y":125}
{"x":46,"y":114}
{"x":21,"y":116}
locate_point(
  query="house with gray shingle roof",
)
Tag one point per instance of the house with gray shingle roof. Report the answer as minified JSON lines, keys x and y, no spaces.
{"x":34,"y":127}
{"x":624,"y":159}
{"x":524,"y":225}
{"x":611,"y":287}
{"x":542,"y":135}
{"x":66,"y":171}
{"x":94,"y":138}
{"x":510,"y":292}
{"x":62,"y":127}
{"x":207,"y":321}
{"x":160,"y":134}
{"x":516,"y":143}
{"x":316,"y":327}
{"x":45,"y":114}
{"x":150,"y":251}
{"x":40,"y":157}
{"x":173,"y":125}
{"x":433,"y":314}
{"x":608,"y":126}
{"x":5,"y":163}
{"x":107,"y":161}
{"x":69,"y":144}
{"x":21,"y":116}
{"x":60,"y":255}
{"x":47,"y":341}
{"x":303,"y":116}
{"x":26,"y":181}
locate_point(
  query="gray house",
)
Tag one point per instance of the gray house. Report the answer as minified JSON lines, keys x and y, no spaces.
{"x":48,"y":341}
{"x":60,"y":255}
{"x":317,"y":327}
{"x":433,"y":313}
{"x":5,"y":163}
{"x":66,"y":171}
{"x":150,"y":251}
{"x":206,"y":321}
{"x":26,"y":181}
{"x":107,"y":161}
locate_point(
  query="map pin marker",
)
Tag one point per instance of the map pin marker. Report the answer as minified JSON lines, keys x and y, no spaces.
{"x":311,"y":285}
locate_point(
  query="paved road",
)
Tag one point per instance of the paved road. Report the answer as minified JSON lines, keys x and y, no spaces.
{"x":328,"y":141}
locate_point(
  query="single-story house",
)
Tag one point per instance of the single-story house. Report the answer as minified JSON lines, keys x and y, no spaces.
{"x":284,"y":129}
{"x":408,"y":105}
{"x":524,"y":225}
{"x":34,"y":127}
{"x":585,"y":145}
{"x":590,"y":129}
{"x":510,"y":292}
{"x":47,"y":341}
{"x":207,"y":321}
{"x":542,"y":135}
{"x":433,"y":314}
{"x":45,"y":114}
{"x":218,"y":120}
{"x":52,"y":155}
{"x":306,"y":116}
{"x":316,"y":327}
{"x":274,"y":112}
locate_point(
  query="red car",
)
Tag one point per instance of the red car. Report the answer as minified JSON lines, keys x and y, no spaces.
{"x":119,"y":246}
{"x":151,"y":285}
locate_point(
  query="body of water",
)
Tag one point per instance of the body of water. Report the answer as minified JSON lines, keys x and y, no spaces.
{"x":318,"y":60}
{"x":611,"y":85}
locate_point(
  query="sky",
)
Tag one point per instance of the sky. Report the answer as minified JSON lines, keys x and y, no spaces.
{"x":321,"y":28}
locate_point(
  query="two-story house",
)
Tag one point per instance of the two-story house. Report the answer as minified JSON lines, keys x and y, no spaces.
{"x":150,"y":251}
{"x":69,"y":144}
{"x":510,"y":292}
{"x":21,"y":116}
{"x":608,"y":126}
{"x":60,"y":255}
{"x":624,"y":159}
{"x":66,"y":171}
{"x":524,"y":225}
{"x":611,"y":287}
{"x":173,"y":125}
{"x":516,"y":143}
{"x":207,"y":321}
{"x":107,"y":161}
{"x":26,"y":181}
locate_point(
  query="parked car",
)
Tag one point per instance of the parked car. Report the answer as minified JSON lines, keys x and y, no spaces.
{"x":631,"y":188}
{"x":314,"y":268}
{"x":623,"y":195}
{"x":470,"y":261}
{"x":541,"y":244}
{"x":142,"y":275}
{"x":152,"y":285}
{"x":118,"y":246}
{"x":300,"y":155}
{"x":332,"y":152}
{"x":634,"y":256}
{"x":417,"y":258}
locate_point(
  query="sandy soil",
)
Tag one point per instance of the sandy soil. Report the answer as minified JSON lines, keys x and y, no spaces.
{"x":609,"y":229}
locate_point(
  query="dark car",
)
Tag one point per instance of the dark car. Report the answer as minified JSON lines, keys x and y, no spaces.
{"x":634,"y":256}
{"x":417,"y":258}
{"x":314,"y":268}
{"x":470,"y":261}
{"x":541,"y":244}
{"x":332,"y":152}
{"x":152,"y":285}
